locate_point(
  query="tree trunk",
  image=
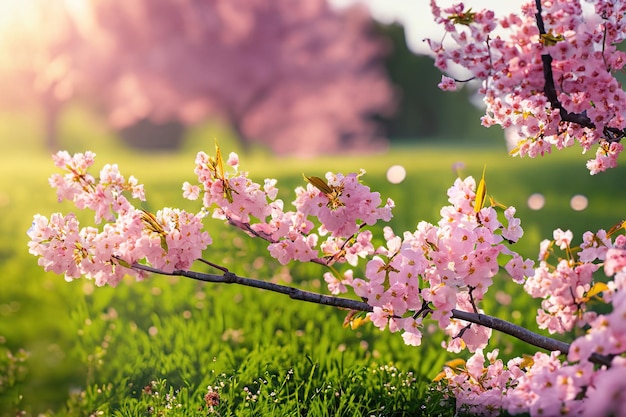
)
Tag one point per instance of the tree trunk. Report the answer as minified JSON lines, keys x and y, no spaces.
{"x":52,"y":109}
{"x":152,"y":136}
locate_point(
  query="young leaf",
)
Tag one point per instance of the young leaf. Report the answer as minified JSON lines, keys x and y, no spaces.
{"x":150,"y":221}
{"x":441,"y":375}
{"x":163,"y":242}
{"x":151,"y":224}
{"x":527,"y":362}
{"x":319,"y":183}
{"x":550,"y":39}
{"x":332,"y":192}
{"x":495,"y":203}
{"x":616,"y":228}
{"x":122,"y":262}
{"x":597,"y":288}
{"x":219,"y":173}
{"x":465,"y":18}
{"x":219,"y":162}
{"x":481,"y":193}
{"x":359,"y":321}
{"x":455,"y":363}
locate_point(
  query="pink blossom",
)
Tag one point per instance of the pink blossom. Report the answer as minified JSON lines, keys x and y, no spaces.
{"x":233,"y":160}
{"x":520,"y":268}
{"x":191,"y":192}
{"x":352,"y":202}
{"x":380,"y":316}
{"x":270,"y":189}
{"x":615,"y":261}
{"x":336,"y":285}
{"x":513,"y":232}
{"x":105,"y":196}
{"x":608,"y":394}
{"x":447,"y":84}
{"x":563,"y":239}
{"x":412,"y":335}
{"x":594,"y":246}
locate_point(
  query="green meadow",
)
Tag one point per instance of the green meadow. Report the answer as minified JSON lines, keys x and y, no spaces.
{"x":155,"y":347}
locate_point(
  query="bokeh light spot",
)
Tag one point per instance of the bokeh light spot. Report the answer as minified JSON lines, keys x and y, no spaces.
{"x":396,"y":174}
{"x":536,"y":201}
{"x":579,"y":202}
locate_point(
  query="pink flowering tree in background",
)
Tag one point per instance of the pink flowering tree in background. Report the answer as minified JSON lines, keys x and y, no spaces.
{"x":271,"y":71}
{"x":547,"y":73}
{"x":37,"y":67}
{"x":296,"y":76}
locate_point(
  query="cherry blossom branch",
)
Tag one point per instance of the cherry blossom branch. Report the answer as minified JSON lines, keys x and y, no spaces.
{"x":494,"y":323}
{"x":549,"y":88}
{"x":524,"y":334}
{"x":294,"y":293}
{"x":247,"y":228}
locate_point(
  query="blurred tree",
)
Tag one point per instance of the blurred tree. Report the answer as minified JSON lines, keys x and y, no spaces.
{"x":37,"y":46}
{"x":295,"y":75}
{"x":424,"y":111}
{"x":298,"y":76}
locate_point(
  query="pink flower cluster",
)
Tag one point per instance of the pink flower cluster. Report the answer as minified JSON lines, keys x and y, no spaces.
{"x":104,"y":197}
{"x":343,"y":214}
{"x":607,"y":332}
{"x":433,"y":270}
{"x":506,"y":56}
{"x":179,"y":239}
{"x":567,"y":287}
{"x":171,"y":239}
{"x":235,"y":196}
{"x":436,"y":269}
{"x":340,"y":211}
{"x":539,"y":385}
{"x":548,"y":384}
{"x":564,"y":288}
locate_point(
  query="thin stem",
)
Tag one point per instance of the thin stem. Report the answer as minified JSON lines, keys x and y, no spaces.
{"x":212,"y":265}
{"x":246,"y":227}
{"x":466,"y":80}
{"x":471,"y":296}
{"x":494,"y":323}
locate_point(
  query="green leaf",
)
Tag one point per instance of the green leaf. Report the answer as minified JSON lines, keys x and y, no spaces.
{"x":319,"y":183}
{"x":464,"y":18}
{"x":163,"y":243}
{"x":123,"y":263}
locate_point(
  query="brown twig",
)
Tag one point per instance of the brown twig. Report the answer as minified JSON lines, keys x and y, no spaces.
{"x":494,"y":323}
{"x":549,"y":88}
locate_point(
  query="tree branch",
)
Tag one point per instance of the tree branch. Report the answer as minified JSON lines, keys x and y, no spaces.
{"x":294,"y":293}
{"x":494,"y":323}
{"x":549,"y":88}
{"x":524,"y":334}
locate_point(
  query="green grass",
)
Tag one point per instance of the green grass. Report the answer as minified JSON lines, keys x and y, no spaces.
{"x":98,"y":348}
